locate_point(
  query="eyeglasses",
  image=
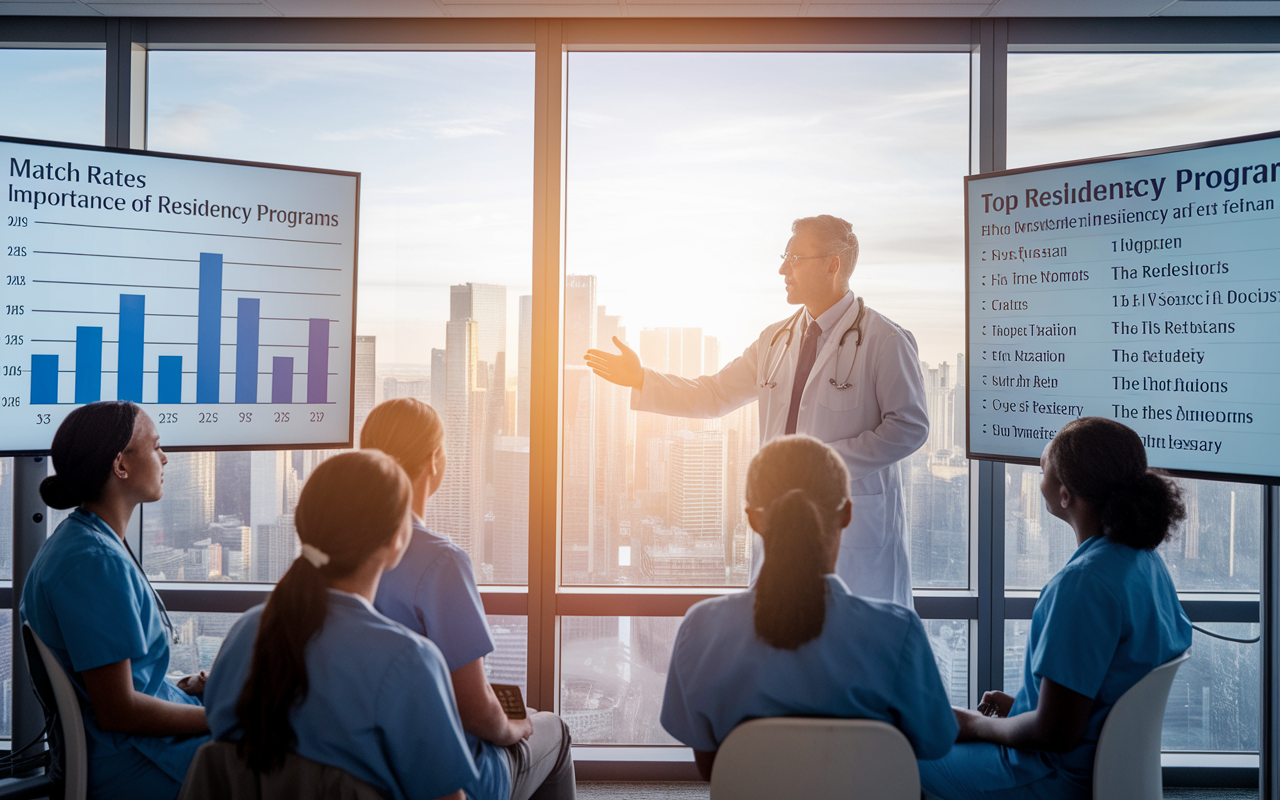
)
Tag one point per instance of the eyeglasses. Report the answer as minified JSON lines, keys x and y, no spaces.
{"x":789,"y":259}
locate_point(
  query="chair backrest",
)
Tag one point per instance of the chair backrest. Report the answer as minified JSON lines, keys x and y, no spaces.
{"x":817,"y":759}
{"x":1126,"y":764}
{"x":218,"y":773}
{"x":70,"y":765}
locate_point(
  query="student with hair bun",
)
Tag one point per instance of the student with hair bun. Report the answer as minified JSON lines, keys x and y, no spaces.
{"x":799,"y":643}
{"x":1108,"y":617}
{"x":318,"y":672}
{"x":433,"y":592}
{"x":88,"y":600}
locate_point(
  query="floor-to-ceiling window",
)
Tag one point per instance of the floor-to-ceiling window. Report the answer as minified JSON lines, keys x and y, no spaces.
{"x":684,"y":173}
{"x":1069,"y":106}
{"x":443,"y":143}
{"x":46,"y":94}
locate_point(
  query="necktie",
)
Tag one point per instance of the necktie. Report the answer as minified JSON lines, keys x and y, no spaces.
{"x":808,"y":354}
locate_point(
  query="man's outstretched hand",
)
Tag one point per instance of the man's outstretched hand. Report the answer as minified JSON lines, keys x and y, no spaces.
{"x":624,"y":369}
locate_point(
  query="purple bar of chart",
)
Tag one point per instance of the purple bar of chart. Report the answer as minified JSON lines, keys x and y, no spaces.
{"x":318,"y":361}
{"x":282,"y":379}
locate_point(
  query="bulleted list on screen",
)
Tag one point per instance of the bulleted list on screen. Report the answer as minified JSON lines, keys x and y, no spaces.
{"x":1163,"y":314}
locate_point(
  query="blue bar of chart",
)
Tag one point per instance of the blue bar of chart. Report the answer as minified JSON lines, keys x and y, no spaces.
{"x":209,"y":332}
{"x":247,"y":349}
{"x":88,"y":364}
{"x":220,"y":297}
{"x":44,"y":379}
{"x":169,"y":381}
{"x":129,"y":362}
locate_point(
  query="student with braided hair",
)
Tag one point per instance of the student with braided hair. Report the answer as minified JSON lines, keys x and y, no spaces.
{"x":1108,"y":617}
{"x":799,"y":643}
{"x":836,"y":370}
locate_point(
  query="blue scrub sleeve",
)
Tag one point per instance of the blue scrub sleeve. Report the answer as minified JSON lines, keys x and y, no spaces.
{"x":686,"y":725}
{"x":99,"y":611}
{"x":421,"y":731}
{"x":228,"y":676}
{"x":451,"y":610}
{"x":1080,"y":634}
{"x":921,"y":708}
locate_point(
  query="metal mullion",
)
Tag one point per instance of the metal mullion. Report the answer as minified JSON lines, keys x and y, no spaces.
{"x":1269,"y":674}
{"x":546,"y":379}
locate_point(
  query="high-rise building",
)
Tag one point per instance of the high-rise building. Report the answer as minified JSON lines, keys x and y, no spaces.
{"x":487,"y":305}
{"x":612,"y":456}
{"x":525,"y":365}
{"x":697,"y":484}
{"x":418,"y":388}
{"x":710,"y":355}
{"x":439,"y":378}
{"x":365,"y":380}
{"x":511,"y":510}
{"x":232,"y":487}
{"x":188,"y":507}
{"x":578,"y":453}
{"x":457,"y":510}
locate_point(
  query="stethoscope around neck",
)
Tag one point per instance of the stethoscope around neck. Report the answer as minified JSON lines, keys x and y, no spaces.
{"x":773,"y":364}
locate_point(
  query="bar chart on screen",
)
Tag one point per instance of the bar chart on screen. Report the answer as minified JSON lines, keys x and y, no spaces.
{"x":219,"y":296}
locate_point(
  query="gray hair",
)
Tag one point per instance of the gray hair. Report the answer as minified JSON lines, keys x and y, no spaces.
{"x":836,"y":237}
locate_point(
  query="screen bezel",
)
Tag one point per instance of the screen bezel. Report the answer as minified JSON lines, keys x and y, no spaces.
{"x":970,"y":453}
{"x":355,"y":285}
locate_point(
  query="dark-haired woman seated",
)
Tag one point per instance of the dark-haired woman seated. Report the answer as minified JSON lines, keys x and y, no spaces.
{"x":798,"y":643}
{"x":1108,"y":617}
{"x":319,"y":672}
{"x":87,"y":598}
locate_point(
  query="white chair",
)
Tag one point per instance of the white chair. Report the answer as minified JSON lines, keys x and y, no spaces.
{"x":1126,"y":764}
{"x":816,"y":759}
{"x":70,"y":764}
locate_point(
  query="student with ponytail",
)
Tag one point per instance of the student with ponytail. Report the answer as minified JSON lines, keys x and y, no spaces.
{"x":88,"y":600}
{"x":798,"y":643}
{"x":1108,"y":617}
{"x":433,"y":592}
{"x":317,"y":671}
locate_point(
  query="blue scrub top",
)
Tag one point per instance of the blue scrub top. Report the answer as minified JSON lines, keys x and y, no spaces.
{"x":91,"y":605}
{"x":432,"y":591}
{"x":1110,"y":616}
{"x":871,"y":661}
{"x":380,"y":704}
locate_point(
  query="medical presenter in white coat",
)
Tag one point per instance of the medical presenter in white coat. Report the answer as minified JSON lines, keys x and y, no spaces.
{"x":835,"y":370}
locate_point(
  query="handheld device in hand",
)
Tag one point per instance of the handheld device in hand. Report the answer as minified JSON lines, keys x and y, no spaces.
{"x":511,"y":699}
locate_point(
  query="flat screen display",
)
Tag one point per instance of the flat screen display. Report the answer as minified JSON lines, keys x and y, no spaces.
{"x":1144,"y":288}
{"x":219,"y":295}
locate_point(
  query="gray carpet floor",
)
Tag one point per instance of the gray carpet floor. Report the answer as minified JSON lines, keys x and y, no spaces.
{"x":699,"y":791}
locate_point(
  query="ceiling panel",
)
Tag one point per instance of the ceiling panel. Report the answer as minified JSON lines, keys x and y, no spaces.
{"x":645,"y":8}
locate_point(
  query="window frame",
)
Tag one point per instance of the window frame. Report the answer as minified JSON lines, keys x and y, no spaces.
{"x":987,"y":603}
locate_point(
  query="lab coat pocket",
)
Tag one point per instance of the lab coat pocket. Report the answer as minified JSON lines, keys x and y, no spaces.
{"x":867,"y":529}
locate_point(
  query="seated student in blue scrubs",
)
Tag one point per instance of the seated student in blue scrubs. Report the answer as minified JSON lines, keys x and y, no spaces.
{"x":798,"y":643}
{"x":1108,"y":617}
{"x":433,"y":592}
{"x":87,"y":598}
{"x":319,"y":672}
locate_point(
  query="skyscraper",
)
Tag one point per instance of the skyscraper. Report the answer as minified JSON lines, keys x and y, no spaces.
{"x":365,"y":380}
{"x":511,"y":510}
{"x":457,"y":510}
{"x":525,"y":365}
{"x":697,"y":483}
{"x":439,"y":378}
{"x":579,"y":455}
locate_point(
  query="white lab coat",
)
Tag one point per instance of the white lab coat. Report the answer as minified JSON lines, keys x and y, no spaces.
{"x":874,"y":424}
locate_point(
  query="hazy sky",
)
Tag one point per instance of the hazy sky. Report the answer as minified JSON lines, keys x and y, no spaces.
{"x":684,"y":170}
